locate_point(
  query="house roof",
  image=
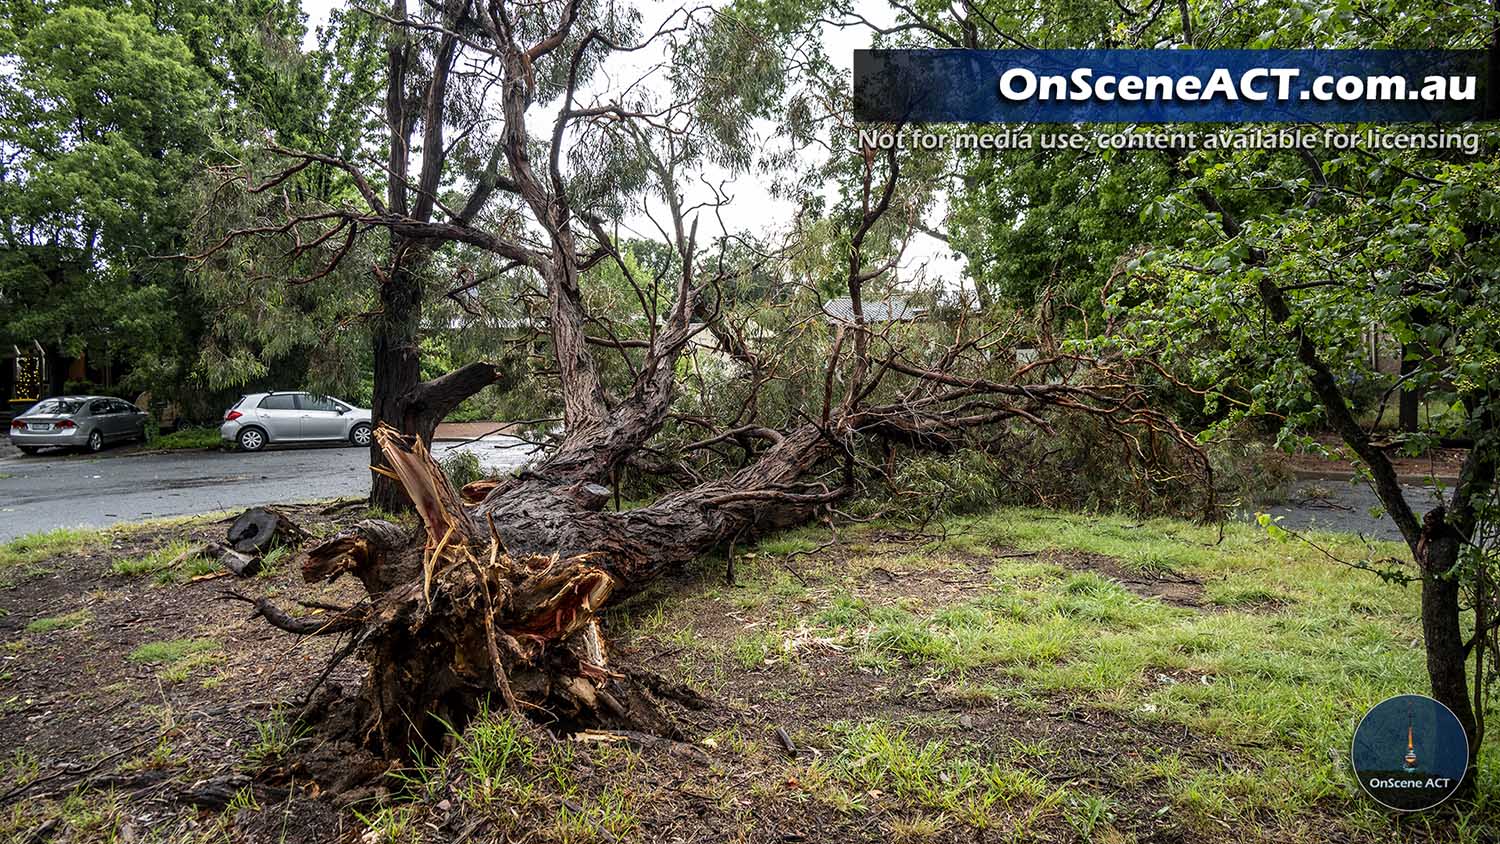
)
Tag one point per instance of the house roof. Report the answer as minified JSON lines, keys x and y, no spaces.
{"x":889,"y":309}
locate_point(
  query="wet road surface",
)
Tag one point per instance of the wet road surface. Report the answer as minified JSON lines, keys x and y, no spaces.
{"x":54,"y":490}
{"x":1339,"y":505}
{"x":57,"y":490}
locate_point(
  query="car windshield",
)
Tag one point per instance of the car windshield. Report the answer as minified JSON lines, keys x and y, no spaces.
{"x":56,"y":407}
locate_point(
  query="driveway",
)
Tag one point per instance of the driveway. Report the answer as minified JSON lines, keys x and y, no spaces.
{"x":47,"y":492}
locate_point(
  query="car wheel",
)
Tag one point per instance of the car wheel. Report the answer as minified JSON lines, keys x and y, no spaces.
{"x":28,"y":449}
{"x":251,"y":439}
{"x":96,"y":442}
{"x":360,"y":436}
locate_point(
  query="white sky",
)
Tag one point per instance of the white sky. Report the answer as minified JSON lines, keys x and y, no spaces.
{"x":926,"y":258}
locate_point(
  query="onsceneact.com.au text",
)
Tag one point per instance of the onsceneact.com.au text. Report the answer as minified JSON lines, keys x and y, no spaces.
{"x":1259,"y":84}
{"x":1002,"y":139}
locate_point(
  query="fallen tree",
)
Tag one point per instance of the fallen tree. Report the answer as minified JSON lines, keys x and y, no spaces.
{"x":498,"y":598}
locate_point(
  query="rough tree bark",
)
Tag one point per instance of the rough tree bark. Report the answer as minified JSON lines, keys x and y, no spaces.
{"x":400,"y":397}
{"x":397,"y":365}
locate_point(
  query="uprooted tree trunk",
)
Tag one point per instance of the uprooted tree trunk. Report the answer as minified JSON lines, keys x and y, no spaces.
{"x":500,"y":602}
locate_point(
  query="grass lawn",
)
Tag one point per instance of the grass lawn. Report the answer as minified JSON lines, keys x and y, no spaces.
{"x":1020,"y":676}
{"x":1027,"y":676}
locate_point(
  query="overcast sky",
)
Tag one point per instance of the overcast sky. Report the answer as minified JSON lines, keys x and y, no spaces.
{"x":925,"y":257}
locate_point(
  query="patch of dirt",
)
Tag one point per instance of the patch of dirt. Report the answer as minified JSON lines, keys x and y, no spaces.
{"x":76,"y":697}
{"x":1174,"y":589}
{"x":922,"y":588}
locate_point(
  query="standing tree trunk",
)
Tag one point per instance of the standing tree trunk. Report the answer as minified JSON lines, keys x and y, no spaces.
{"x":398,"y":398}
{"x":1409,"y":401}
{"x":1437,"y":556}
{"x":398,"y":366}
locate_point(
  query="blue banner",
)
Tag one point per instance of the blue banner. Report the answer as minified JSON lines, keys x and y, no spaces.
{"x":1169,"y":86}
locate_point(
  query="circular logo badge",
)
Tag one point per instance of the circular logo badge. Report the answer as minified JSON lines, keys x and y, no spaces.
{"x":1409,"y":753}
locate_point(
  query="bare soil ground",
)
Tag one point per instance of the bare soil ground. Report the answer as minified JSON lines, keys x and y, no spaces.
{"x":848,"y":706}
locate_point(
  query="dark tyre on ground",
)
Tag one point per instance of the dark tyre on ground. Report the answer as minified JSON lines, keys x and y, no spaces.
{"x":95,"y":443}
{"x":360,"y":436}
{"x":251,"y":439}
{"x":28,"y":449}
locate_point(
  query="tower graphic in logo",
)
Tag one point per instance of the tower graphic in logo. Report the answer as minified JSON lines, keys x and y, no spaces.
{"x":1409,"y":761}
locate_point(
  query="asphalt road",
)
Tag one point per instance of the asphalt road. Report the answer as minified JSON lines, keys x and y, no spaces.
{"x":1339,"y":505}
{"x":46,"y":492}
{"x":52,"y":491}
{"x":55,"y":490}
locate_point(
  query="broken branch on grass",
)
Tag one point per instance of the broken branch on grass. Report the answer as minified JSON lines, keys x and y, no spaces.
{"x":302,"y":626}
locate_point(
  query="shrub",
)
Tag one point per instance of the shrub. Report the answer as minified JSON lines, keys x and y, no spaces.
{"x":1079,"y":465}
{"x":186,"y":438}
{"x":927,"y":485}
{"x":462,"y":468}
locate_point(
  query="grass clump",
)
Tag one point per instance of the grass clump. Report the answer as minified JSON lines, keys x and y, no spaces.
{"x":391,"y":825}
{"x":182,"y":669}
{"x":77,"y":618}
{"x":175,"y":650}
{"x":610,"y":812}
{"x":22,"y":767}
{"x":493,"y":747}
{"x":271,"y":563}
{"x":179,"y":658}
{"x":27,"y":552}
{"x":168,"y":564}
{"x":275,"y":738}
{"x":753,"y":650}
{"x":186,"y":439}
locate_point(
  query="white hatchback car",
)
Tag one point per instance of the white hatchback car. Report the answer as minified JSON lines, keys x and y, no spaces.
{"x":262,"y":418}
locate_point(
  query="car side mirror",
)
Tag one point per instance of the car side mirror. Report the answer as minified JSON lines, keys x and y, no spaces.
{"x":341,"y":410}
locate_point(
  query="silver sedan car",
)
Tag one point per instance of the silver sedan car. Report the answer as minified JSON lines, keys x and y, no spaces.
{"x":84,"y":422}
{"x":262,"y":418}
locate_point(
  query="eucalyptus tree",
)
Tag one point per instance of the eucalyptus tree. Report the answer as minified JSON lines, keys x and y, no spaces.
{"x":543,"y":128}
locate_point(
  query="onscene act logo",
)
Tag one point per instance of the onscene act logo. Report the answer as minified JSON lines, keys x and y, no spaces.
{"x":1410,"y":753}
